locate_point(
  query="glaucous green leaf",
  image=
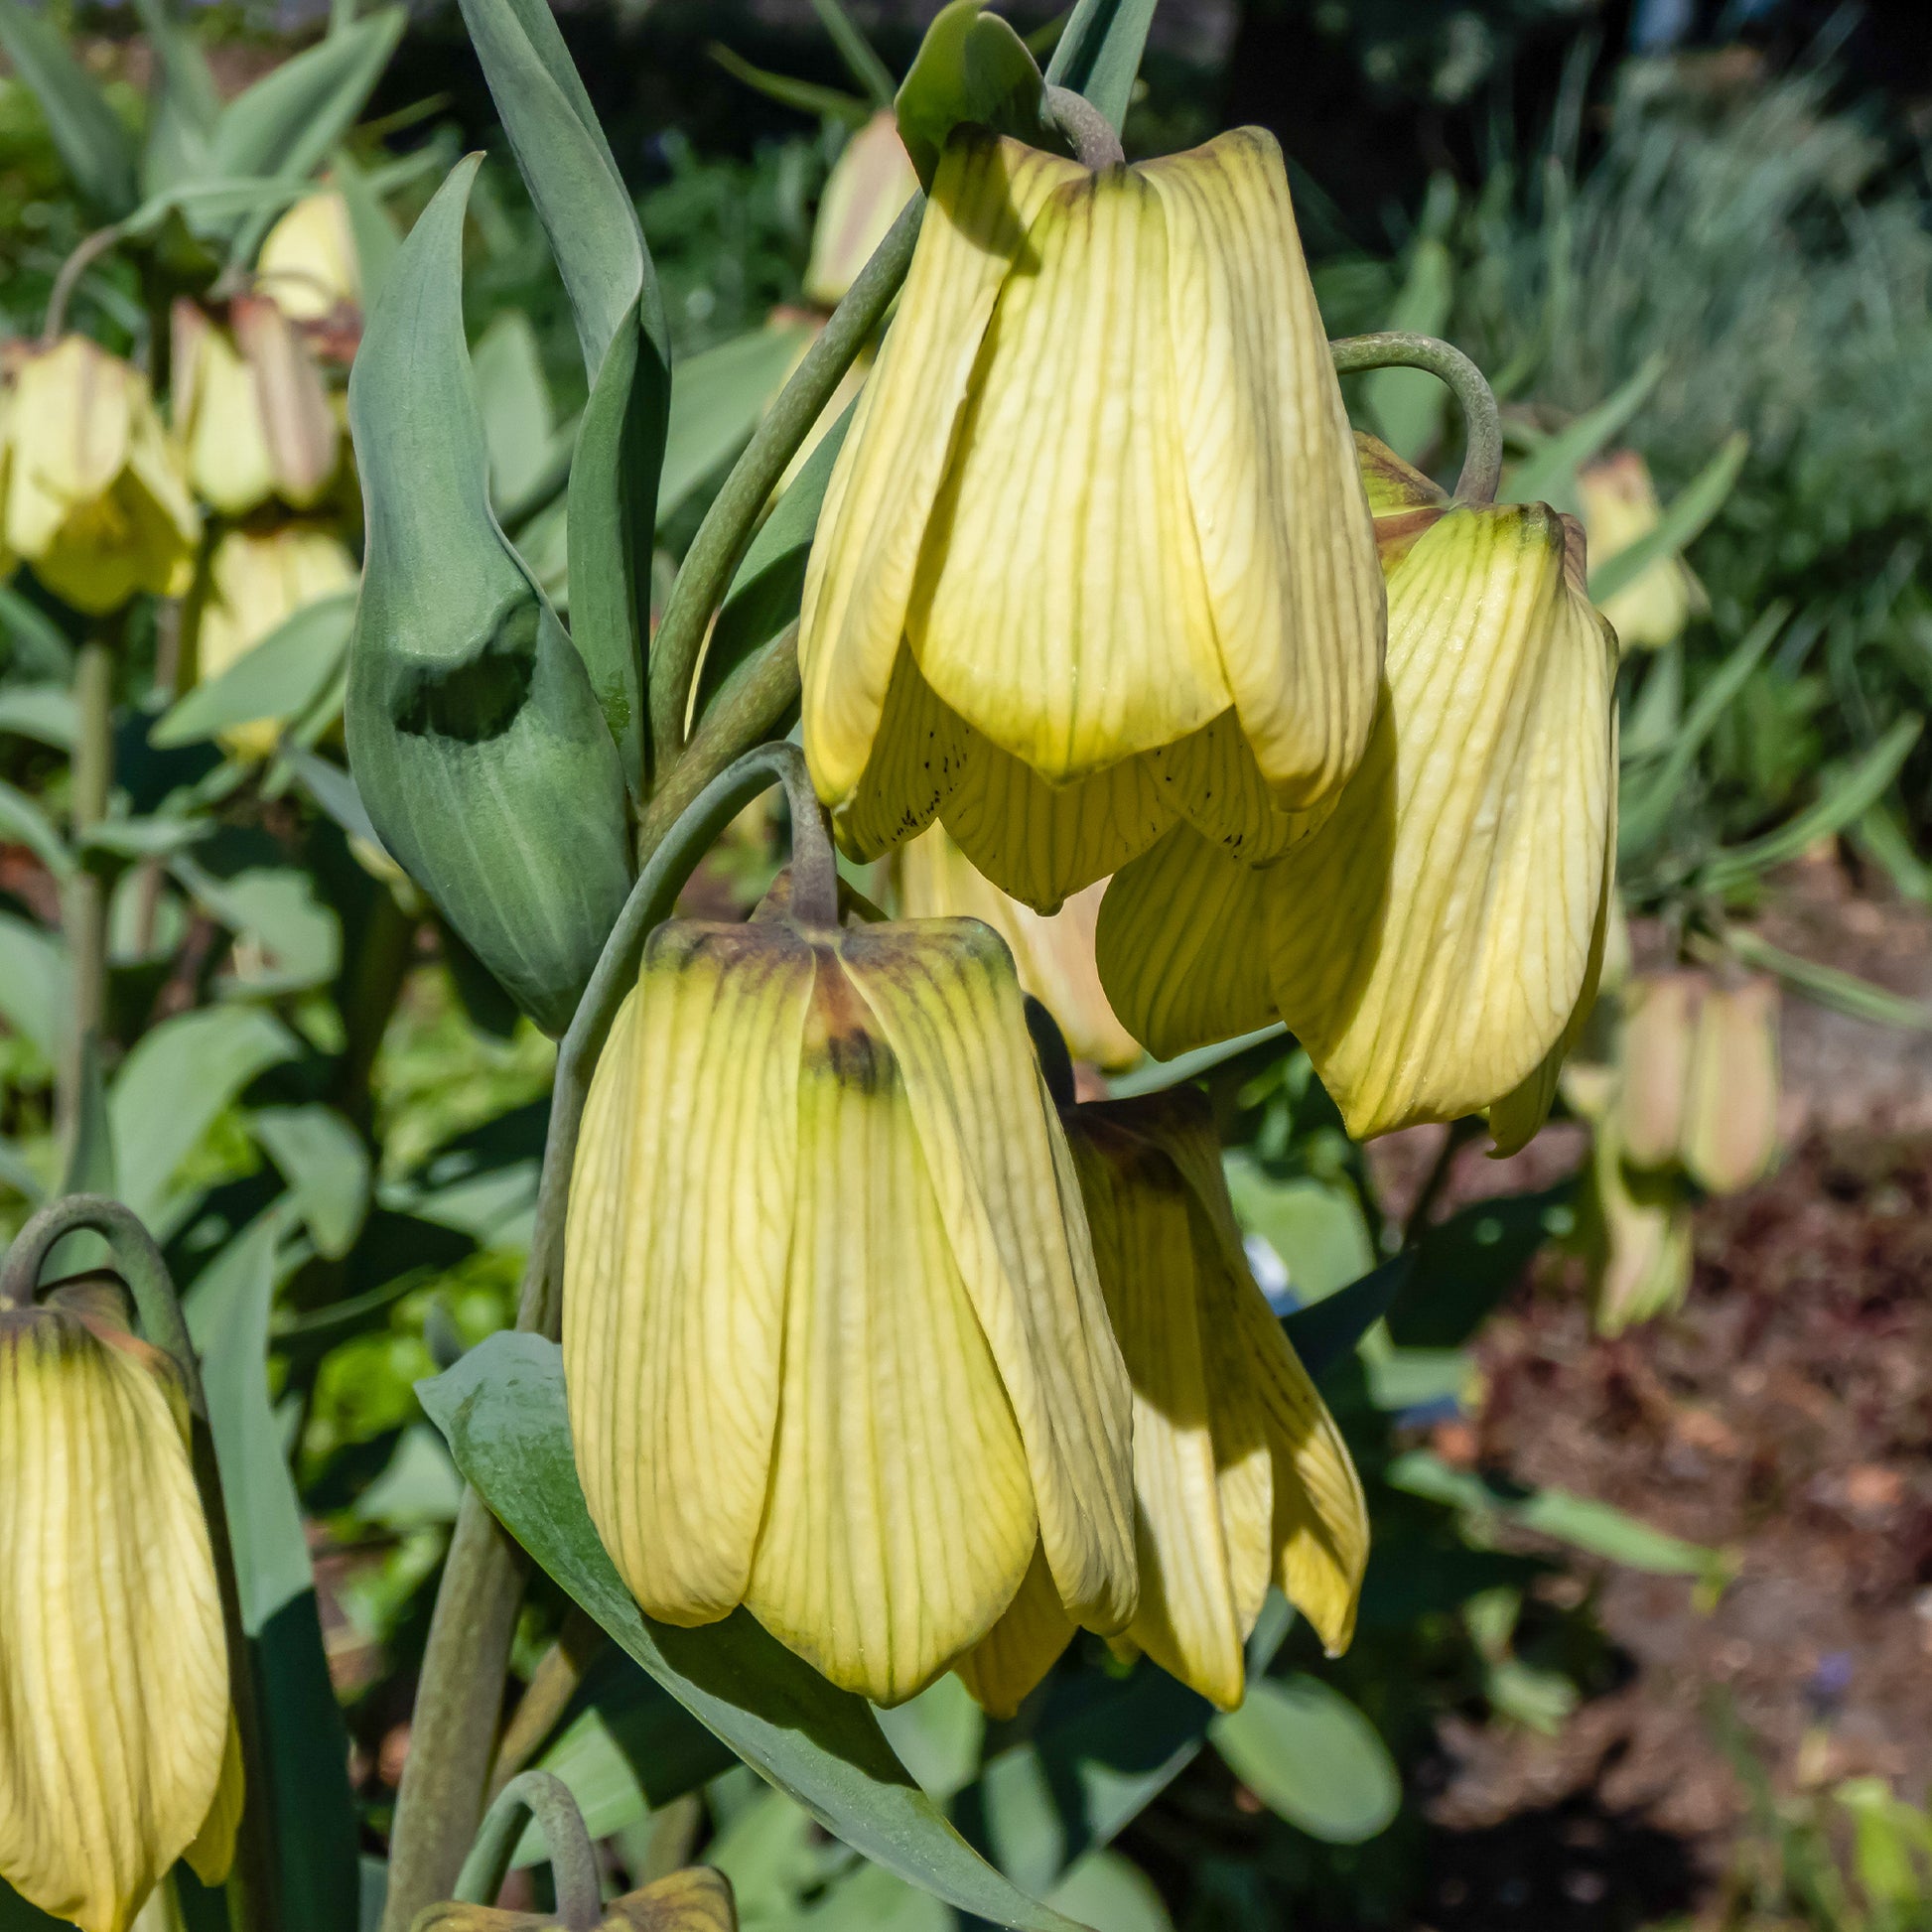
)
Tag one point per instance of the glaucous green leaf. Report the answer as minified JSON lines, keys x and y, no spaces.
{"x":971,"y":66}
{"x":280,"y":677}
{"x":1099,"y":53}
{"x":716,"y":398}
{"x":1548,"y":475}
{"x":37,"y":647}
{"x":1680,"y":525}
{"x":23,"y":823}
{"x":96,"y":149}
{"x":477,"y":741}
{"x":326,"y":1166}
{"x":1311,"y":1758}
{"x":1104,"y":1889}
{"x":1463,"y":1266}
{"x":41,"y":712}
{"x":501,"y":1407}
{"x":33,"y":984}
{"x":286,"y":936}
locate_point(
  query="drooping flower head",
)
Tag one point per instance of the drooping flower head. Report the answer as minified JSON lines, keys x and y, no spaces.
{"x":833,"y":1342}
{"x":117,"y":1752}
{"x":1095,"y":556}
{"x":695,"y":1899}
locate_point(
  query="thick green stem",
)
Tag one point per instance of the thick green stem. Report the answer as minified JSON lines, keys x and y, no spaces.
{"x":466,"y":1659}
{"x":726,"y":529}
{"x":84,"y":898}
{"x":573,"y":1865}
{"x":1089,"y":130}
{"x":254,"y":1901}
{"x":1482,"y":428}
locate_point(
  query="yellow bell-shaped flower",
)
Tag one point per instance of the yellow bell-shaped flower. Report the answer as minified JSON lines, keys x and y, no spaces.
{"x":255,"y":583}
{"x":96,"y":497}
{"x":1054,"y":954}
{"x":1434,"y":941}
{"x":695,"y":1899}
{"x":832,"y":1337}
{"x":308,"y":262}
{"x":251,"y":409}
{"x":1634,"y":1229}
{"x":872,"y":179}
{"x":1095,"y":555}
{"x":116,"y":1742}
{"x":1619,"y":503}
{"x":1240,"y":1477}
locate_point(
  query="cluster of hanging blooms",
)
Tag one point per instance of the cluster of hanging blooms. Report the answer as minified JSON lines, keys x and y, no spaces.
{"x":120,"y":1753}
{"x":1190,"y":711}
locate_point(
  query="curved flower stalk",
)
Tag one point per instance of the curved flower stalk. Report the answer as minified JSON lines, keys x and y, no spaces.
{"x":94,"y":493}
{"x":853,"y":1382}
{"x":1096,"y":557}
{"x":1435,"y":940}
{"x":1054,"y":954}
{"x":1241,"y":1478}
{"x":121,"y":1754}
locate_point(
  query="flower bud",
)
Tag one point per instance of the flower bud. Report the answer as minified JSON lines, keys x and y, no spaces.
{"x":1660,"y":1017}
{"x":252,"y":409}
{"x":1240,"y":1475}
{"x":255,"y":584}
{"x":95,"y":493}
{"x":695,"y":1899}
{"x":888,"y":1320}
{"x":113,"y":1659}
{"x":1730,"y":1109}
{"x":1053,"y":955}
{"x":872,"y":179}
{"x":1095,"y":556}
{"x":308,"y":262}
{"x":1619,"y":509}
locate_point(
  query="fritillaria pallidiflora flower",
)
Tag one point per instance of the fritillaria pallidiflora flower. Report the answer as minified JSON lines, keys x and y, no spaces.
{"x":832,"y":1337}
{"x":695,"y":1899}
{"x":119,"y":1752}
{"x":1095,"y":555}
{"x":1241,"y":1478}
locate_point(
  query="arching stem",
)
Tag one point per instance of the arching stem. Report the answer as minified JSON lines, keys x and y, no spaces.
{"x":86,"y":252}
{"x":254,"y":1900}
{"x":1482,"y":428}
{"x":573,"y":1865}
{"x":1091,"y":133}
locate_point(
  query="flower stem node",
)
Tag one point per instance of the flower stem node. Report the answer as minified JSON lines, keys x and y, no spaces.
{"x":1095,"y":558}
{"x":834,"y":1343}
{"x":120,"y":1749}
{"x":1241,"y":1478}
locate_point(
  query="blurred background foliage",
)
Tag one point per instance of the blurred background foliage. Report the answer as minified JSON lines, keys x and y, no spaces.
{"x":1695,"y":232}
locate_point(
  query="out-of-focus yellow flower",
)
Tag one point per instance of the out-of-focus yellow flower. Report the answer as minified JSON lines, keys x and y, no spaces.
{"x":1095,"y":555}
{"x":1053,"y":955}
{"x":96,"y":497}
{"x":251,"y":409}
{"x":1241,"y":1478}
{"x":1660,"y":1017}
{"x":1621,"y":506}
{"x":853,"y":1383}
{"x":1434,"y":941}
{"x":256,"y":583}
{"x":308,"y":262}
{"x":113,"y":1660}
{"x":872,"y":179}
{"x":1634,"y":1229}
{"x":695,"y":1899}
{"x":1730,"y":1109}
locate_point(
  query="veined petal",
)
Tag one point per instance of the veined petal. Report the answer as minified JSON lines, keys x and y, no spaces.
{"x":1042,"y":842}
{"x":695,"y":1899}
{"x":1282,"y":524}
{"x":1182,"y":945}
{"x":113,"y":1661}
{"x":917,"y":756}
{"x":951,"y":1013}
{"x":859,"y":580}
{"x":1060,"y":607}
{"x":900,"y":1518}
{"x":1215,"y":782}
{"x":299,"y":428}
{"x":1026,"y":1642}
{"x":1429,"y":944}
{"x":675,"y":1257}
{"x":211,"y":1853}
{"x":227,"y":441}
{"x":1137,"y":1210}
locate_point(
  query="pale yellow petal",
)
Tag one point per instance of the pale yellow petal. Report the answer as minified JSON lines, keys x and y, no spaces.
{"x":113,"y":1662}
{"x":1060,"y":607}
{"x":695,"y":1899}
{"x":1281,"y":521}
{"x":675,"y":1257}
{"x":1215,"y":782}
{"x":1731,"y":1118}
{"x":1182,"y":945}
{"x":1026,"y":1642}
{"x":213,"y":1851}
{"x":914,"y":764}
{"x":1636,"y":1235}
{"x":1430,"y":942}
{"x":859,"y":581}
{"x":299,"y":428}
{"x":900,"y":1518}
{"x":951,"y":1013}
{"x":228,"y":453}
{"x":1660,"y":1024}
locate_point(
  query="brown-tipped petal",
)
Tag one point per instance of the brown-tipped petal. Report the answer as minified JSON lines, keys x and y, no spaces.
{"x":1017,"y":1652}
{"x":303,"y":437}
{"x":1182,"y":945}
{"x":1278,"y":505}
{"x":871,"y":532}
{"x":900,"y":1518}
{"x":948,"y":1004}
{"x":113,"y":1662}
{"x":675,"y":1259}
{"x":695,"y":1899}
